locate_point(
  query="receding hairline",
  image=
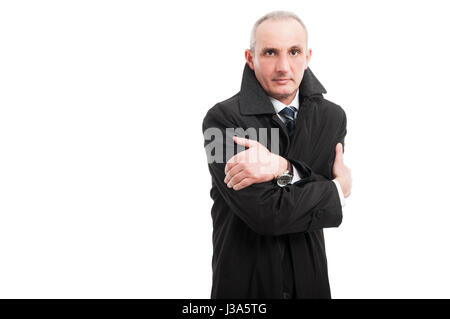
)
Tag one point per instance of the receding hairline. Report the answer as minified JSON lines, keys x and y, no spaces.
{"x":275,"y":16}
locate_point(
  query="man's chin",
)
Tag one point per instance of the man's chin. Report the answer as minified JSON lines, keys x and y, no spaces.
{"x":283,"y":95}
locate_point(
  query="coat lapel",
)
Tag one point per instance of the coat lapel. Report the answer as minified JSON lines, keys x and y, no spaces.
{"x":253,"y":100}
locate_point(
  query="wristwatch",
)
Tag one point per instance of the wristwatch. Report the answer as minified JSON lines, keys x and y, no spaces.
{"x":286,"y":178}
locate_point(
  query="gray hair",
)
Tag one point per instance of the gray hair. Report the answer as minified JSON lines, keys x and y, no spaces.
{"x":275,"y":15}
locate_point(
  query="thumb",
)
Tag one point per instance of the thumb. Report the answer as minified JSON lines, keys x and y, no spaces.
{"x":244,"y":141}
{"x":339,"y":154}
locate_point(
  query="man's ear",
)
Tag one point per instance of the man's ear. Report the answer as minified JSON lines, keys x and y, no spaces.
{"x":308,"y":57}
{"x":249,"y":59}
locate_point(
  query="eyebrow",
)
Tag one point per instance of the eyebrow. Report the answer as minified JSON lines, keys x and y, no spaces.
{"x":276,"y":50}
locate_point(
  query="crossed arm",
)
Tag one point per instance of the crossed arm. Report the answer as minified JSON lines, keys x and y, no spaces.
{"x":257,"y":164}
{"x":247,"y":188}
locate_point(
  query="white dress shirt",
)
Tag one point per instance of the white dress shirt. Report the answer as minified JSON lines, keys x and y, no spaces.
{"x":278,"y":106}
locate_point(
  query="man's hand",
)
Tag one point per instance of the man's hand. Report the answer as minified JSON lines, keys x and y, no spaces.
{"x":341,"y":172}
{"x":254,"y":165}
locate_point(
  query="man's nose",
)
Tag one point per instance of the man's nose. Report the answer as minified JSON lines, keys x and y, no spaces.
{"x":282,"y":64}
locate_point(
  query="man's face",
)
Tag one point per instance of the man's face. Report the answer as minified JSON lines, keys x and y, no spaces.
{"x":280,"y":57}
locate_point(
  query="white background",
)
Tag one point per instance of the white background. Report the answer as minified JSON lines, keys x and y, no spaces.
{"x":104,"y":187}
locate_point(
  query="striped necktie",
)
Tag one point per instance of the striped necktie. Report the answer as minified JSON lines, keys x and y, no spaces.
{"x":288,"y":114}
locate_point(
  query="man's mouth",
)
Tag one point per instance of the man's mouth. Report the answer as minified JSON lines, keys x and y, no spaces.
{"x":281,"y":81}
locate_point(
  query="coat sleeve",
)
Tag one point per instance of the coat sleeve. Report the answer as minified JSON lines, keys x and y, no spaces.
{"x":309,"y":204}
{"x":304,"y":170}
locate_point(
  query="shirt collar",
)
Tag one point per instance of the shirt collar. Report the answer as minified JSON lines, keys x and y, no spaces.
{"x":278,"y":105}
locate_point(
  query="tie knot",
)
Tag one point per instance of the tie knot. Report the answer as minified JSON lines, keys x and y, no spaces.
{"x":288,"y":112}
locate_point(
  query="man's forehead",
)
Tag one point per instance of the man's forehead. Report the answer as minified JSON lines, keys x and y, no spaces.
{"x":280,"y":34}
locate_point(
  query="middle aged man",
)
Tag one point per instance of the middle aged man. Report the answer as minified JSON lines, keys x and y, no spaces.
{"x":270,"y":209}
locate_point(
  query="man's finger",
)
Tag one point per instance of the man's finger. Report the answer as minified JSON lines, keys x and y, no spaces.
{"x":237,"y":178}
{"x":243,"y":184}
{"x":244,"y":141}
{"x":238,"y":158}
{"x":233,"y":161}
{"x":339,"y":154}
{"x":233,"y":171}
{"x":230,"y":164}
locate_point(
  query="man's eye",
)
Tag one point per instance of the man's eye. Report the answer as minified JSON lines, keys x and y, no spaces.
{"x":295,"y":52}
{"x":270,"y":52}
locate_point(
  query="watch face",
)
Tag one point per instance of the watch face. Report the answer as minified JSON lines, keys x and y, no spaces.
{"x":284,"y":180}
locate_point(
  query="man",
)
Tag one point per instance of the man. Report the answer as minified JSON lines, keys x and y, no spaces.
{"x":272,"y":200}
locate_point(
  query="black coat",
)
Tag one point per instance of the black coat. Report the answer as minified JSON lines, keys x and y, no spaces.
{"x":248,"y":224}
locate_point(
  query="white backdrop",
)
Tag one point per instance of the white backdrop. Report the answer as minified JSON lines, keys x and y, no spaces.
{"x":104,"y":187}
